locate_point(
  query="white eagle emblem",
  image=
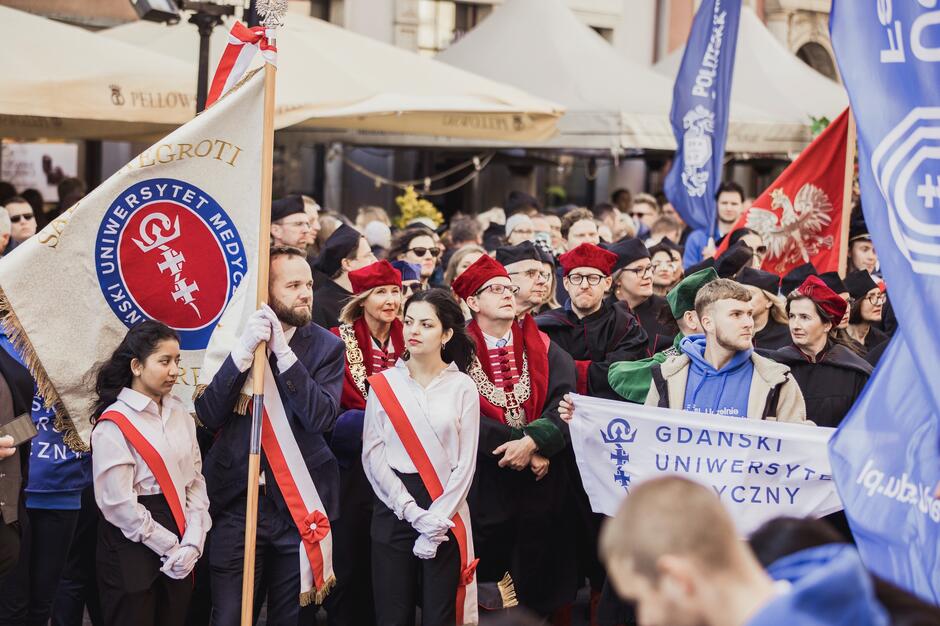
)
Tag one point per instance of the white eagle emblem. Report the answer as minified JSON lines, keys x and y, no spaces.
{"x":795,"y":236}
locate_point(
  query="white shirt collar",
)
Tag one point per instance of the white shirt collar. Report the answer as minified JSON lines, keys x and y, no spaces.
{"x":136,"y":400}
{"x":491,"y":340}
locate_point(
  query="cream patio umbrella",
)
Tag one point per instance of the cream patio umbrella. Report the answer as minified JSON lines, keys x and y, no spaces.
{"x":62,"y":81}
{"x":332,"y":78}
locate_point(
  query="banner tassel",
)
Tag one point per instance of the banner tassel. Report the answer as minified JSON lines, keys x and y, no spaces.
{"x":507,"y":590}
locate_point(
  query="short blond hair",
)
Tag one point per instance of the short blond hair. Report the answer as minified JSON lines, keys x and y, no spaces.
{"x":721,"y":289}
{"x":671,"y":516}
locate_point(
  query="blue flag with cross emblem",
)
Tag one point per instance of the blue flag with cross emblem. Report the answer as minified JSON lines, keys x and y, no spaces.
{"x":699,"y":115}
{"x":886,"y":454}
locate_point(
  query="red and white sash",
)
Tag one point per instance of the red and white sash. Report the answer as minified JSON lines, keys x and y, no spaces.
{"x":243,"y":45}
{"x":304,"y":503}
{"x":433,"y":465}
{"x":171,"y":484}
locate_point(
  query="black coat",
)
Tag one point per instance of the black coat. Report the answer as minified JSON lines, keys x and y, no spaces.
{"x":610,"y":334}
{"x":773,"y":336}
{"x":831,"y":385}
{"x":647,"y":313}
{"x":329,"y":298}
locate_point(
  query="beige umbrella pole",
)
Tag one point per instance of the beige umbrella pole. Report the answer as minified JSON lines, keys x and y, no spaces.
{"x":272,"y":18}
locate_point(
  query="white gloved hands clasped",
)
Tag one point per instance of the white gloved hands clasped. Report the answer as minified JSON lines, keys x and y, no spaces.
{"x":279,"y":347}
{"x":427,"y":523}
{"x":180,"y":562}
{"x":426,"y":547}
{"x":257,"y":329}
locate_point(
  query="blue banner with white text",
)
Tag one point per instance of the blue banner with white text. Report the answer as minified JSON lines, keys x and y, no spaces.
{"x":886,"y":455}
{"x":699,"y":115}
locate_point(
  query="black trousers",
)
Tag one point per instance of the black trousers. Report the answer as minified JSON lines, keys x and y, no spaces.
{"x":350,"y":603}
{"x":401,"y":580}
{"x":27,"y":591}
{"x":277,"y":564}
{"x":133,"y":590}
{"x":78,"y":587}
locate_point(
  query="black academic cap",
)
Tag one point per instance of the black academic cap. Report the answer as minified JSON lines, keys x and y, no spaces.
{"x":282,"y":207}
{"x":796,"y":276}
{"x":834,"y":281}
{"x":858,"y":230}
{"x":628,"y":251}
{"x":759,"y":278}
{"x":859,"y":282}
{"x":733,"y":260}
{"x":525,"y":251}
{"x":337,"y":247}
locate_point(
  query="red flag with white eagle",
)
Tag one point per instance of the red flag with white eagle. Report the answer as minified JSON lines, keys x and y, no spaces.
{"x":800,"y":215}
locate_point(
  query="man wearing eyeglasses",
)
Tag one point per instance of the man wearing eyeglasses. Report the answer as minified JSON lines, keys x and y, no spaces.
{"x":290,"y":224}
{"x":524,"y":264}
{"x":593,"y":334}
{"x":865,"y":310}
{"x":517,"y":501}
{"x":22,"y":219}
{"x":633,"y":285}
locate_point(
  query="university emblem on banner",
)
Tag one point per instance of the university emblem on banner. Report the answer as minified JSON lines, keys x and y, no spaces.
{"x":906,"y":165}
{"x":166,"y":250}
{"x":699,"y":124}
{"x":619,"y":433}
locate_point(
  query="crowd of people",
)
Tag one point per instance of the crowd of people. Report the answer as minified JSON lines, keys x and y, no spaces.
{"x":426,"y":372}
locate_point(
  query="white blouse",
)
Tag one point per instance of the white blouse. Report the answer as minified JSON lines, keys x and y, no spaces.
{"x":121,"y":474}
{"x":452,"y":405}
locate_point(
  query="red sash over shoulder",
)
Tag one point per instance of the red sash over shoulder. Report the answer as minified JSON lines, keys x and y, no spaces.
{"x":154,"y":462}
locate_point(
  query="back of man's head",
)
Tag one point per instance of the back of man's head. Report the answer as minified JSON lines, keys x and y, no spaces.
{"x":721,"y":289}
{"x":465,"y":230}
{"x":670,"y":516}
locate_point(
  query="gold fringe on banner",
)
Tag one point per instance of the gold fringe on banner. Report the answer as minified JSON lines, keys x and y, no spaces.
{"x":10,"y":324}
{"x":241,"y":405}
{"x":507,"y":590}
{"x":318,"y":595}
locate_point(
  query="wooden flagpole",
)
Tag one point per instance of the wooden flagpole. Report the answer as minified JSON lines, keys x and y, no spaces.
{"x":850,"y":146}
{"x":272,"y":19}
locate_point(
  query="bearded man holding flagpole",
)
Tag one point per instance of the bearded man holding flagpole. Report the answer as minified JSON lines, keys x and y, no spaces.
{"x":272,"y":480}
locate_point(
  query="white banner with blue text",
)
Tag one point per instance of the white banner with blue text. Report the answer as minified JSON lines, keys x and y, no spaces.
{"x":759,"y":469}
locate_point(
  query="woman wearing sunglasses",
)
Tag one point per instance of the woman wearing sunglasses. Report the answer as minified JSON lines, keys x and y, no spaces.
{"x":416,"y":245}
{"x":868,"y":300}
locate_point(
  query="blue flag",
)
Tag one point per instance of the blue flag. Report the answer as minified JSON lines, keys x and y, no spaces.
{"x":699,"y":113}
{"x":886,"y":455}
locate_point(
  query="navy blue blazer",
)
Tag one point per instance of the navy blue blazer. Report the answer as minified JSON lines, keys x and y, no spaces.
{"x":310,"y":390}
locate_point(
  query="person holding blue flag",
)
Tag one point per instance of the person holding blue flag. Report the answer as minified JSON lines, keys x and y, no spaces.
{"x":699,"y":118}
{"x":885,"y":455}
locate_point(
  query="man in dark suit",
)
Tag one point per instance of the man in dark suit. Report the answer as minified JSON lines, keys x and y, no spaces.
{"x":307,"y":363}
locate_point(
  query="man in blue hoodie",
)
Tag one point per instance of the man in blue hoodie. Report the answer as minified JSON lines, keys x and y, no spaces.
{"x":719,"y":372}
{"x":674,"y":550}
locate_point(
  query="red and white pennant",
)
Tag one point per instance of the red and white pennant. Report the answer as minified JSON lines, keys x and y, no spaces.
{"x":243,"y":45}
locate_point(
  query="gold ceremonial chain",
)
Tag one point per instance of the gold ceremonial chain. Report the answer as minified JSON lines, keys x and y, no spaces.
{"x":354,"y":357}
{"x":510,"y":402}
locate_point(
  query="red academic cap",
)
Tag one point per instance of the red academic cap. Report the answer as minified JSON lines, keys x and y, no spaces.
{"x":827,"y":299}
{"x":475,"y":276}
{"x":374,"y":275}
{"x":588,"y":255}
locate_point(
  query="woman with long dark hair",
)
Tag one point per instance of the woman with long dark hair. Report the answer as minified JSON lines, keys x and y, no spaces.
{"x":420,"y":437}
{"x":148,"y":482}
{"x":829,"y":374}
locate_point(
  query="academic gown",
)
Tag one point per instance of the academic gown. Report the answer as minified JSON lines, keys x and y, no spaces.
{"x":328,"y":300}
{"x":773,"y":336}
{"x":606,"y":336}
{"x":647,"y":313}
{"x":830,"y":385}
{"x":516,"y":520}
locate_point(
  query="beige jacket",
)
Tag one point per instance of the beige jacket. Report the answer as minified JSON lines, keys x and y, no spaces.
{"x":767,"y":375}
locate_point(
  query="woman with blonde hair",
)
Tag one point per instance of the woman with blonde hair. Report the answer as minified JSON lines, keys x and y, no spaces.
{"x":372,"y":335}
{"x":460,"y":261}
{"x":771,"y":321}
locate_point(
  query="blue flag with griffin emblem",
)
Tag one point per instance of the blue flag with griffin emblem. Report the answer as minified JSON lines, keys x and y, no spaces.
{"x":699,"y":114}
{"x":886,"y":455}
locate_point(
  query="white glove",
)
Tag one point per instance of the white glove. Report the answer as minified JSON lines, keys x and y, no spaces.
{"x":425,"y":522}
{"x":257,"y":329}
{"x":426,"y":547}
{"x":285,"y":355}
{"x":180,"y":562}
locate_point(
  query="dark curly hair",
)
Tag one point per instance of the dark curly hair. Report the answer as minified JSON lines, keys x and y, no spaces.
{"x":460,"y":348}
{"x":115,"y":373}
